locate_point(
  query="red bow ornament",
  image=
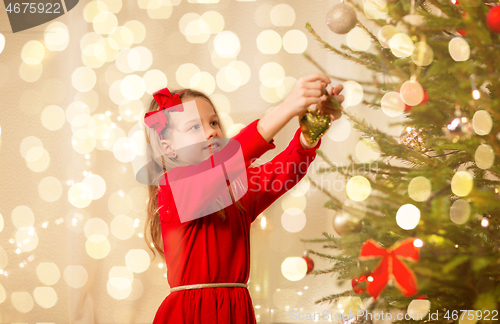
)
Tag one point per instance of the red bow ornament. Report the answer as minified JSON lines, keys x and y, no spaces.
{"x":167,"y":102}
{"x":391,"y":266}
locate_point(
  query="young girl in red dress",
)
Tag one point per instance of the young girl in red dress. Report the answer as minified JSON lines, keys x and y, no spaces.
{"x":202,"y":233}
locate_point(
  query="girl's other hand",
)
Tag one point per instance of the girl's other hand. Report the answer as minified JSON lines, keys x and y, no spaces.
{"x":307,"y":92}
{"x":328,"y":107}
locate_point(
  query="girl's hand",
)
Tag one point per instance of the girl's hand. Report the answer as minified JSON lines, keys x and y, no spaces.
{"x":328,"y":107}
{"x":306,"y":92}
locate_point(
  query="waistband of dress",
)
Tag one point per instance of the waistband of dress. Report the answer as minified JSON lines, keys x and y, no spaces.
{"x":209,"y":285}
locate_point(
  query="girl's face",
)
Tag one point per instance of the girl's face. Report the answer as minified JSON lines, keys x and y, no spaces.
{"x":195,"y":131}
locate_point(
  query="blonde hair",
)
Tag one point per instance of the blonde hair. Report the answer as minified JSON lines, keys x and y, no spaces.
{"x":162,"y":165}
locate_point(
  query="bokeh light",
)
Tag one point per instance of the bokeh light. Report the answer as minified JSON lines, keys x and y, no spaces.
{"x":423,"y":54}
{"x":30,"y":73}
{"x":358,"y":188}
{"x":105,"y":22}
{"x":401,"y":45}
{"x":289,"y":201}
{"x":122,"y":227}
{"x":419,"y":188}
{"x":412,"y":93}
{"x":48,"y":273}
{"x":385,"y":34}
{"x":92,"y":8}
{"x":295,"y":41}
{"x":282,"y":15}
{"x":80,"y":195}
{"x":227,"y":44}
{"x":375,"y":9}
{"x":482,"y":122}
{"x":120,"y":203}
{"x":33,"y":52}
{"x":45,"y":297}
{"x":121,"y":38}
{"x":96,"y":184}
{"x":75,"y":276}
{"x":56,"y":36}
{"x":392,"y":105}
{"x":2,"y":42}
{"x":294,"y":268}
{"x":52,"y":117}
{"x":293,"y":220}
{"x":50,"y":189}
{"x":461,"y":183}
{"x":22,"y":216}
{"x":353,"y":93}
{"x":358,"y":40}
{"x":137,"y":260}
{"x":408,"y":217}
{"x":22,"y":301}
{"x":133,"y":87}
{"x":96,"y":226}
{"x":367,"y":151}
{"x":154,"y":80}
{"x":213,"y":22}
{"x":460,"y":211}
{"x":484,"y":156}
{"x":271,"y":74}
{"x":26,"y":238}
{"x":138,"y":30}
{"x":459,"y":49}
{"x":340,"y":129}
{"x":301,"y":188}
{"x":97,"y":246}
{"x":83,"y":79}
{"x":269,"y":42}
{"x":419,"y":308}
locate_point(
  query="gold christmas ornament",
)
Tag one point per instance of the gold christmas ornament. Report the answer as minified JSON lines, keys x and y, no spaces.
{"x":413,"y":138}
{"x":313,"y":124}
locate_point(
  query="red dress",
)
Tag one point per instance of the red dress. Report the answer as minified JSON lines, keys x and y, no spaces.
{"x":212,"y":250}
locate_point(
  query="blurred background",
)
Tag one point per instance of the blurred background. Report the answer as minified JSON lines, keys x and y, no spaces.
{"x":71,"y":213}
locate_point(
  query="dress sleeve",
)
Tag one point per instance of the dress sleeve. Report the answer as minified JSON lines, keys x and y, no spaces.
{"x":268,"y":182}
{"x":187,"y":192}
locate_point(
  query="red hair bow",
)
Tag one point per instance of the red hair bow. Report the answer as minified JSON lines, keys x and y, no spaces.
{"x":167,"y":102}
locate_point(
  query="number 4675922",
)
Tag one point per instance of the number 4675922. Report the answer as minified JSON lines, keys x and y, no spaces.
{"x":32,"y":7}
{"x":471,"y":315}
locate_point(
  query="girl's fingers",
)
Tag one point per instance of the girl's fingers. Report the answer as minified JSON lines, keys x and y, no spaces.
{"x":338,"y":88}
{"x":339,"y":98}
{"x":313,"y":93}
{"x":315,"y":77}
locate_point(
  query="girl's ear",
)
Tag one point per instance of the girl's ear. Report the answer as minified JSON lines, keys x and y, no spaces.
{"x":167,"y":148}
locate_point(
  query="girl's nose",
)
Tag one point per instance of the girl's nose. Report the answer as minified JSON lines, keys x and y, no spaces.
{"x":211,"y":132}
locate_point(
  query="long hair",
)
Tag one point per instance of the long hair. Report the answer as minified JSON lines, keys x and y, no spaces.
{"x":162,"y":165}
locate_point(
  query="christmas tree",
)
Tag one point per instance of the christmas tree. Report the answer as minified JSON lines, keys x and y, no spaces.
{"x":419,"y":230}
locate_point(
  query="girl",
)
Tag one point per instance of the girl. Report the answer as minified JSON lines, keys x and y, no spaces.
{"x":207,"y":246}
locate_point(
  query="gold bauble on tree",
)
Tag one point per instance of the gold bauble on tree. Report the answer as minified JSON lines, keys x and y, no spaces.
{"x":341,"y":18}
{"x":413,"y":138}
{"x":345,"y":224}
{"x":314,"y":124}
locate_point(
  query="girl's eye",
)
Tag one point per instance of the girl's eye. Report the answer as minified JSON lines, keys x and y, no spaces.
{"x":215,"y":123}
{"x":197,"y":126}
